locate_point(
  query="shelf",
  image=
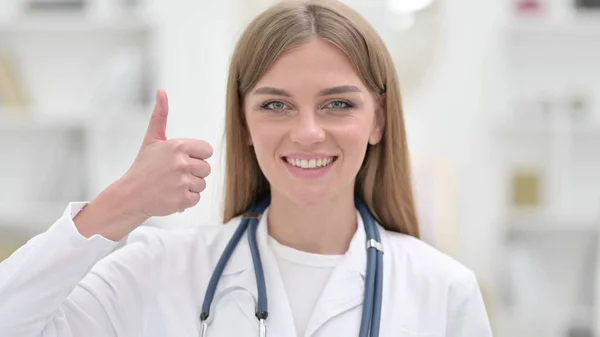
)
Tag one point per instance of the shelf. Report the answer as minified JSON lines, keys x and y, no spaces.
{"x":23,"y":120}
{"x":534,"y":222}
{"x":524,"y":313}
{"x":581,"y":26}
{"x":15,"y":122}
{"x":76,"y":25}
{"x":527,"y":129}
{"x":551,"y":320}
{"x":562,"y":227}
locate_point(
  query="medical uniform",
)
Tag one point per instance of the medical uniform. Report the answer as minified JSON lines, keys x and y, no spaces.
{"x":61,"y":284}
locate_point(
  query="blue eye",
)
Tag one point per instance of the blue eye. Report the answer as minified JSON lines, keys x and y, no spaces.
{"x":274,"y":105}
{"x":339,"y":105}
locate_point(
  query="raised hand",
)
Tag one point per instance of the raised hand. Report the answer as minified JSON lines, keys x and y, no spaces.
{"x":167,"y":176}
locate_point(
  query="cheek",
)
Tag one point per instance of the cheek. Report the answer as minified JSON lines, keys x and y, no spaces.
{"x":353,"y":142}
{"x":264,"y":138}
{"x":353,"y":137}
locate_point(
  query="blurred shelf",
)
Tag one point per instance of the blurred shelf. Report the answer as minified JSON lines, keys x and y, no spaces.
{"x":23,"y":120}
{"x":585,"y":312}
{"x":536,"y":27}
{"x":529,"y":129}
{"x":532,"y":222}
{"x":562,"y":227}
{"x":31,"y":218}
{"x":77,"y":25}
{"x":15,"y":122}
{"x":547,"y":320}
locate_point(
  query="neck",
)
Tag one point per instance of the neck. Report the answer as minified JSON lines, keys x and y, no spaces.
{"x":326,"y":228}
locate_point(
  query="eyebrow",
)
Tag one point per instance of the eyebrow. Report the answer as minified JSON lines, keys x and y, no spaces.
{"x":324,"y":92}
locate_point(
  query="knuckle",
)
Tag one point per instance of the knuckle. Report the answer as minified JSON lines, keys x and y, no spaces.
{"x":182,"y":165}
{"x":177,"y":144}
{"x":183,"y":183}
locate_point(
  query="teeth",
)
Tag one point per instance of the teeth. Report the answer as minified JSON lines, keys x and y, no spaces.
{"x":310,"y":164}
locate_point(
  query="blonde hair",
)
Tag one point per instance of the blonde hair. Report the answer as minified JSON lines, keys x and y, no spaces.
{"x":384,"y":180}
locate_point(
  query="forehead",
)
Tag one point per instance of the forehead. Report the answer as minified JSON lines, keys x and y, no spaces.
{"x":317,"y":63}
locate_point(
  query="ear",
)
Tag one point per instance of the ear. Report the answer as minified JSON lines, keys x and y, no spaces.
{"x":380,"y":120}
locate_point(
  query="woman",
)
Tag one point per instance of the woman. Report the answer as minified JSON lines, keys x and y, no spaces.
{"x":313,"y":125}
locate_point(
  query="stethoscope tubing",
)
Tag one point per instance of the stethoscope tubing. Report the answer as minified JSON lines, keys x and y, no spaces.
{"x":371,"y":315}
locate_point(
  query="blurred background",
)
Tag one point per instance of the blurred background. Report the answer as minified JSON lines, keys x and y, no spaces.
{"x":501,"y":99}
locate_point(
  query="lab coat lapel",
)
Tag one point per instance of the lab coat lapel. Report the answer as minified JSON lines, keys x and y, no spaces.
{"x":240,"y":273}
{"x":345,"y":288}
{"x":280,"y":322}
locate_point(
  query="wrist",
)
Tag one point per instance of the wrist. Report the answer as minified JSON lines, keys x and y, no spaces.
{"x":110,"y":215}
{"x":120,"y":198}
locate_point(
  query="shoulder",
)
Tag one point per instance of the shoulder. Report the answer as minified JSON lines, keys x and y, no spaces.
{"x":179,"y":243}
{"x":160,"y":237}
{"x":423,"y":275}
{"x":427,"y":265}
{"x":176,"y":256}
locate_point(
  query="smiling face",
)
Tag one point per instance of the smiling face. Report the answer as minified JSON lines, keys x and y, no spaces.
{"x":310,"y":119}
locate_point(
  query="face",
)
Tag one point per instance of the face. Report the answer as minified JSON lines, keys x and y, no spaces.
{"x":310,"y":120}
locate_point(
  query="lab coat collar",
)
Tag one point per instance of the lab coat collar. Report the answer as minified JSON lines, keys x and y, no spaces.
{"x":335,"y":299}
{"x":241,"y":259}
{"x":239,"y":272}
{"x":351,"y":273}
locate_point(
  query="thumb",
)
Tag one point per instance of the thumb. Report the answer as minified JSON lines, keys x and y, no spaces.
{"x":157,"y":127}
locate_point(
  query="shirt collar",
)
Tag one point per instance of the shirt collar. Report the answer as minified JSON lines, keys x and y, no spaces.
{"x":241,"y":259}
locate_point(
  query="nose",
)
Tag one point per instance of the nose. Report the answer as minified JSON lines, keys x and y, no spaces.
{"x":307,"y":130}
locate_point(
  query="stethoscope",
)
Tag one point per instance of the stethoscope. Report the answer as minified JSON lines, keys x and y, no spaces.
{"x":371,"y":315}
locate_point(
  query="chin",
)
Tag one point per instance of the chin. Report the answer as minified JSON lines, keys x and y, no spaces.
{"x":309,"y":196}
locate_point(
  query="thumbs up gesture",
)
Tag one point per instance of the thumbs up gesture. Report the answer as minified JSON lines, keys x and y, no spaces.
{"x":167,"y":176}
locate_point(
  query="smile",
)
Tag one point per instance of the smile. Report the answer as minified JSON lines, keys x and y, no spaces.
{"x":314,"y":163}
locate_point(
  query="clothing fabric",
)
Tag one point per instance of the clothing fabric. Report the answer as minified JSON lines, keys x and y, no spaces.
{"x":304,"y":277}
{"x":61,"y":284}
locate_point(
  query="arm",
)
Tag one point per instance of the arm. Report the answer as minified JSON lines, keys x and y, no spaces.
{"x":467,"y":315}
{"x":63,"y":284}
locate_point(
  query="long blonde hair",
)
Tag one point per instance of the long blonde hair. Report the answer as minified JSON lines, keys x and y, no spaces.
{"x":384,"y":180}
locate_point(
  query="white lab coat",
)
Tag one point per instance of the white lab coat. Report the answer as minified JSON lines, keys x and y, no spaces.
{"x":62,"y":284}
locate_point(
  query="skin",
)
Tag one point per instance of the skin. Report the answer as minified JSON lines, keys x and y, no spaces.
{"x":312,"y":101}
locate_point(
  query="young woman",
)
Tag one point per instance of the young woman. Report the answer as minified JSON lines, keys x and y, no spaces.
{"x":320,"y":235}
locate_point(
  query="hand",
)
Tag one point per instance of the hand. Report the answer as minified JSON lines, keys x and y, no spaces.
{"x":167,"y":176}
